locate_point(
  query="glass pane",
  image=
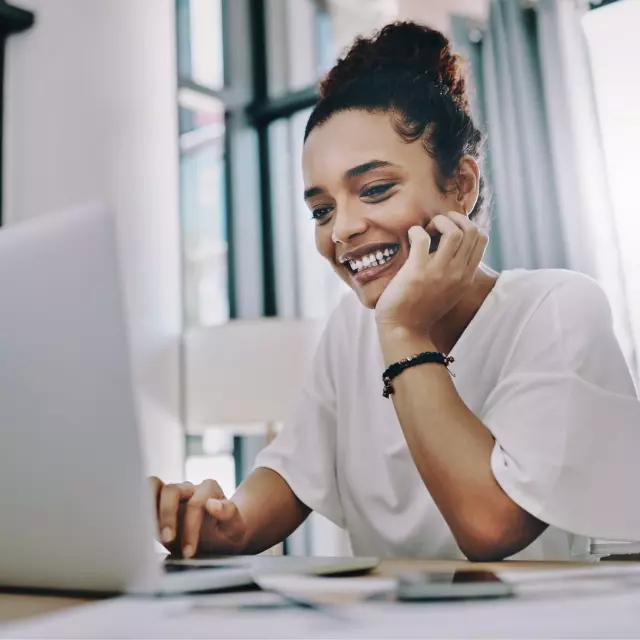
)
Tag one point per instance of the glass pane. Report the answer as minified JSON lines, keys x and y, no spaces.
{"x":300,"y":44}
{"x":203,"y":209}
{"x":319,"y":287}
{"x":201,"y":44}
{"x":306,"y":284}
{"x":614,"y":51}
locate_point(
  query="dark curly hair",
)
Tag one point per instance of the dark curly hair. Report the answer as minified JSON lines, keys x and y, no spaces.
{"x":410,"y":71}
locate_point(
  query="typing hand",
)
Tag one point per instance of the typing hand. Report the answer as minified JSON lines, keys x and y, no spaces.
{"x":197,"y":519}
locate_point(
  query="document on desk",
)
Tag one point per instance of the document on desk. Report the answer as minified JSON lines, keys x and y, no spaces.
{"x":609,"y":613}
{"x":575,"y":581}
{"x":610,"y":616}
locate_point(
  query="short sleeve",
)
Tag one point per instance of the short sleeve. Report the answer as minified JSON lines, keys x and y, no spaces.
{"x":566,"y":418}
{"x":304,"y":452}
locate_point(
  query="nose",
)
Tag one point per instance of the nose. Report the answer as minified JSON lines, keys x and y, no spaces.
{"x":348,"y":223}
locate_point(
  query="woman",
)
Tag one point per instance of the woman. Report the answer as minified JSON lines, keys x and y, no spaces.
{"x":527,"y":450}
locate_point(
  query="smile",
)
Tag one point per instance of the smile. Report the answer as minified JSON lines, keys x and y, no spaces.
{"x":368,"y":266}
{"x":372,"y":260}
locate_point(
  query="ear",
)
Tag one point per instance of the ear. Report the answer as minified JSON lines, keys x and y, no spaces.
{"x":467,"y":184}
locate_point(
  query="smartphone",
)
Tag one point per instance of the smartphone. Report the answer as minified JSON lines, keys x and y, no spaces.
{"x":435,"y":242}
{"x":454,"y":585}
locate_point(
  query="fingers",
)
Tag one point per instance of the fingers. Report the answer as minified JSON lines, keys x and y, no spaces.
{"x":228,"y":517}
{"x":420,"y":243}
{"x":452,"y":237}
{"x":168,"y":504}
{"x":194,"y":514}
{"x":471,"y":233}
{"x":478,"y":251}
{"x":222,"y":510}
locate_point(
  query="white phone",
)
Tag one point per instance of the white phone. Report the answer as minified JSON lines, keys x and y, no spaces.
{"x":454,"y":585}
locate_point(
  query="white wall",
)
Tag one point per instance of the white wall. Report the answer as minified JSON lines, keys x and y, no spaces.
{"x":91,"y":115}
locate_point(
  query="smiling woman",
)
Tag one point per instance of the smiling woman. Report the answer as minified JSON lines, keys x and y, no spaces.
{"x":519,"y":453}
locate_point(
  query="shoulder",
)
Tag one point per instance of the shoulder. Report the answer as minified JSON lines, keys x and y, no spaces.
{"x":568,"y":328}
{"x":565,"y":297}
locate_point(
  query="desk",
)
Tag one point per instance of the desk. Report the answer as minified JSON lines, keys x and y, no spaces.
{"x":15,"y":607}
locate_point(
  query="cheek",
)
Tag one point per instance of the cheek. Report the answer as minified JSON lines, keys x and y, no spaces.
{"x":403,"y":211}
{"x":324,"y":242}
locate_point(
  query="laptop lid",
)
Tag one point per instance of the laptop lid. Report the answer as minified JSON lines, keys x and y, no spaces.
{"x":74,"y":510}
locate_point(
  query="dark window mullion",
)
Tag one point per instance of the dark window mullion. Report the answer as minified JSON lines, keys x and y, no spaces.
{"x":260,"y":97}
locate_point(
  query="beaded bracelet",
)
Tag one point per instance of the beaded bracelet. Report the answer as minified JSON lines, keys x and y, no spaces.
{"x":397,"y":368}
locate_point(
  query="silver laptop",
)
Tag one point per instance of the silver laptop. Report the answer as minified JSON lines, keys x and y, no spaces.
{"x":75,"y":513}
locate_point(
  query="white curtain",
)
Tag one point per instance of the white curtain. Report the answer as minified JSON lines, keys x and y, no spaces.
{"x":551,"y":201}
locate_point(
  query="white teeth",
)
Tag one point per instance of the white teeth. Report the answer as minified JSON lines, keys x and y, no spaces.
{"x":372,"y":260}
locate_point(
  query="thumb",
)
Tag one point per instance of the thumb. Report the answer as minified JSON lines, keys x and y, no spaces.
{"x":420,"y":242}
{"x":222,"y":510}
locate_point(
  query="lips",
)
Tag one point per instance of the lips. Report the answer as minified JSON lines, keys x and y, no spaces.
{"x":368,"y":255}
{"x":373,"y":272}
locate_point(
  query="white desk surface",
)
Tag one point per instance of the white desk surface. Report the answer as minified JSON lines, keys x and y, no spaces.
{"x":598,"y":614}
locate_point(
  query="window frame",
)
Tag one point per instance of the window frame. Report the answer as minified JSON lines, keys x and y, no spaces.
{"x":250,"y":111}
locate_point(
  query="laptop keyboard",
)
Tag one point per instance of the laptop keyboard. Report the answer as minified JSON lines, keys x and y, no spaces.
{"x":177,"y":567}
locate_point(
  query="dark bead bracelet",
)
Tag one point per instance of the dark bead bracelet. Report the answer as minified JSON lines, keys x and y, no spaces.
{"x":397,"y":368}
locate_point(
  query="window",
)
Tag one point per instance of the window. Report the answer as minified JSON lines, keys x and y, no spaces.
{"x":300,"y":50}
{"x":614,"y":51}
{"x":203,"y":171}
{"x":203,"y":206}
{"x":247,"y":71}
{"x":201,"y":52}
{"x":204,"y":176}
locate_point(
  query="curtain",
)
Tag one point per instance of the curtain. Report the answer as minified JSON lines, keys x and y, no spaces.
{"x":551,"y":206}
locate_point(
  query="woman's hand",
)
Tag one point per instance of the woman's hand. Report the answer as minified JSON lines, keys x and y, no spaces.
{"x":197,"y":519}
{"x":429,"y":285}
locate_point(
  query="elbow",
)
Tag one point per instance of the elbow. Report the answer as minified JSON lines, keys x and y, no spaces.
{"x":486,"y":548}
{"x":491,"y":542}
{"x":485,"y":551}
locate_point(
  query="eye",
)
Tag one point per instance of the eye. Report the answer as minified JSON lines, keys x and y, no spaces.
{"x":377,"y":192}
{"x":319,"y":213}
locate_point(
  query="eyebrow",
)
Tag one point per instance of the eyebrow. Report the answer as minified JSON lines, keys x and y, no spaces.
{"x":350,"y":174}
{"x":361,"y":169}
{"x":313,"y":191}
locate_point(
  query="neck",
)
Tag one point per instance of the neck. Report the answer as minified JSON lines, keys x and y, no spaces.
{"x":451,"y":326}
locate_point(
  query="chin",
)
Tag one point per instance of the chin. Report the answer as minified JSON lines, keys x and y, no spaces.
{"x":370,"y":293}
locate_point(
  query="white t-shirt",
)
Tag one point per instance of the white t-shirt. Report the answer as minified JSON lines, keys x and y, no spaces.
{"x":539,"y":365}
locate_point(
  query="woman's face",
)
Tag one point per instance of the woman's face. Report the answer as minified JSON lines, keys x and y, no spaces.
{"x":366,"y":188}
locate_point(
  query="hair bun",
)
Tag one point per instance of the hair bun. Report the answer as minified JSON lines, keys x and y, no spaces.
{"x":402,"y":47}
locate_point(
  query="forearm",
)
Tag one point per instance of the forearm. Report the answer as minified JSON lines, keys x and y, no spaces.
{"x":270,"y":509}
{"x":452,"y":452}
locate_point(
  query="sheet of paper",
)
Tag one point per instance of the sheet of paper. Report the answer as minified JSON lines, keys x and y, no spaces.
{"x":555,"y":606}
{"x":609,"y":616}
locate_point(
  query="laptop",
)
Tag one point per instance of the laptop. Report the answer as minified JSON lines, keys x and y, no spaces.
{"x":75,"y":511}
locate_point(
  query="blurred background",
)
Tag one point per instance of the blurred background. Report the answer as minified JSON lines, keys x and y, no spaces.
{"x":186,"y":117}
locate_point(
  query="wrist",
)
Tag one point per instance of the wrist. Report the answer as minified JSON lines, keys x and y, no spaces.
{"x":398,"y":343}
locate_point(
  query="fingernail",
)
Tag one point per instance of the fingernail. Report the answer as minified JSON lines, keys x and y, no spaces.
{"x":167,"y":534}
{"x":187,"y":552}
{"x":213,"y":503}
